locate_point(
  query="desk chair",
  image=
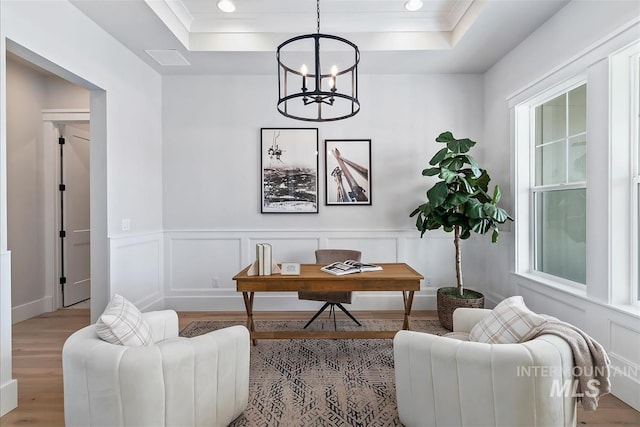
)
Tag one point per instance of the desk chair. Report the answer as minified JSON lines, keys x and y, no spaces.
{"x":331,"y":299}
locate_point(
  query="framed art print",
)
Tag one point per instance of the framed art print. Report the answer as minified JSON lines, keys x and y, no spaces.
{"x":347,"y":171}
{"x":289,"y":163}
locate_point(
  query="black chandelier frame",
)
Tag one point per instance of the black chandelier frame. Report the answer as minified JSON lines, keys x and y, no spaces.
{"x":317,"y":96}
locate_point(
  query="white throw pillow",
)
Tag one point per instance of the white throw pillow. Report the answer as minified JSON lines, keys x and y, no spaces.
{"x":122,"y":323}
{"x":510,"y":322}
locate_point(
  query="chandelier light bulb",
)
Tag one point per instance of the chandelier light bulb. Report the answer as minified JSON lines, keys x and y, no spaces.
{"x":226,"y":6}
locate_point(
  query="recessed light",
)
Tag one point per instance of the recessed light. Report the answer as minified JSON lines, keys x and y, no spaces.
{"x":226,"y":6}
{"x":413,"y":5}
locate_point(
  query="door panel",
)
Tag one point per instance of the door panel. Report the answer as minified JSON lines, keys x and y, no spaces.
{"x":77,"y":256}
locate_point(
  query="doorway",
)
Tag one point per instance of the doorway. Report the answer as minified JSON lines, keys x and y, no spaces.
{"x":67,"y":177}
{"x":75,"y":233}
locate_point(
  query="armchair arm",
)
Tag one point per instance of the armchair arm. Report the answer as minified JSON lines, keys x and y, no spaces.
{"x":163,"y":323}
{"x":464,"y":318}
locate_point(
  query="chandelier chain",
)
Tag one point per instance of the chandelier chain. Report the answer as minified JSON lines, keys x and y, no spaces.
{"x":318,"y":11}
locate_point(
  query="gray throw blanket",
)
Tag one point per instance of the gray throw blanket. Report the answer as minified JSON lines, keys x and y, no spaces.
{"x":591,"y":362}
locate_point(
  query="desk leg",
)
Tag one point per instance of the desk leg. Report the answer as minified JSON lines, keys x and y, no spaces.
{"x":248,"y":305}
{"x":408,"y":302}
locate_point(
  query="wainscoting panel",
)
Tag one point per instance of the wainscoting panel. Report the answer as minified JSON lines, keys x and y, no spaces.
{"x":285,"y":249}
{"x":621,"y":348}
{"x":374,"y":249}
{"x":136,"y":268}
{"x":202,"y":264}
{"x":199,"y":265}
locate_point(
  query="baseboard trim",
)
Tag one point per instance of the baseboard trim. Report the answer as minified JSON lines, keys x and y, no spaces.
{"x":8,"y":396}
{"x":31,"y":309}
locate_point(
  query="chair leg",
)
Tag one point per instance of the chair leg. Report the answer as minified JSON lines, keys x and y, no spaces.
{"x":315,"y":316}
{"x":341,"y":307}
{"x":335,"y":323}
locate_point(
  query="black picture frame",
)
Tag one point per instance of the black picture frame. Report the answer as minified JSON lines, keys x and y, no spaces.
{"x":289,"y":170}
{"x":347,"y":172}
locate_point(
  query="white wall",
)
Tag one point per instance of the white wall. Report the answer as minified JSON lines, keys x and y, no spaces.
{"x":212,"y":219}
{"x":577,"y":39}
{"x":28,"y":93}
{"x":126,"y":137}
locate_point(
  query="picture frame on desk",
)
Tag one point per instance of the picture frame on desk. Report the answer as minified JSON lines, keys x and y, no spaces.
{"x":289,"y":170}
{"x":347,"y":172}
{"x":290,"y":269}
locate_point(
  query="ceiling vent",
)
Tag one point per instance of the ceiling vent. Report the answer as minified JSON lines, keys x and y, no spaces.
{"x":168,"y":57}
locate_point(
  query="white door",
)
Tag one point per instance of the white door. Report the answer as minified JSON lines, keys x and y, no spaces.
{"x":76,"y":255}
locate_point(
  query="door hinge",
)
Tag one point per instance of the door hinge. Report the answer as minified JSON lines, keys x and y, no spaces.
{"x":62,"y":187}
{"x":63,"y":233}
{"x":63,"y":280}
{"x":61,"y":140}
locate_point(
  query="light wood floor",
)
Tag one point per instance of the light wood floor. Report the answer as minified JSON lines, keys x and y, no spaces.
{"x":37,"y":365}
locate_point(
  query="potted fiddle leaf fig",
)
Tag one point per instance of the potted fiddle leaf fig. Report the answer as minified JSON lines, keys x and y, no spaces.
{"x":459,"y":202}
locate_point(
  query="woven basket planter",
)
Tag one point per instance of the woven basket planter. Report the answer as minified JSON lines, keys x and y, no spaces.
{"x":447,"y":304}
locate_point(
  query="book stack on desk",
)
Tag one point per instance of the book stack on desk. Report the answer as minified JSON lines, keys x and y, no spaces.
{"x":264,"y":265}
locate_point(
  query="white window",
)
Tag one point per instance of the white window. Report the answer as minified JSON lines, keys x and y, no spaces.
{"x":577,"y":177}
{"x":559,"y":181}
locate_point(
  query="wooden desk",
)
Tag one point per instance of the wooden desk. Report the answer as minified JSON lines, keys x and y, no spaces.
{"x":392,"y":277}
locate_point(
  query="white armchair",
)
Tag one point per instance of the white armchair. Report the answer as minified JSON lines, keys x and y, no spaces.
{"x":442,"y":381}
{"x":175,"y":382}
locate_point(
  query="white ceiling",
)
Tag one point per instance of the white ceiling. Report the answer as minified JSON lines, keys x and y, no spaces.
{"x":445,"y":36}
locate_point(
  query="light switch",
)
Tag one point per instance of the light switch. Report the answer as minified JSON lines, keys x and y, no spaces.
{"x":126,"y":224}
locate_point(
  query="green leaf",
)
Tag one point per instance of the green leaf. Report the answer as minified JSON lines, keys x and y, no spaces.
{"x":453,"y":164}
{"x":466,"y":185}
{"x":481,"y":181}
{"x":490,"y":209}
{"x":475,"y":170}
{"x":455,"y":199}
{"x":496,"y":195}
{"x":501,"y":215}
{"x":494,"y":235}
{"x":437,"y":194}
{"x":465,"y":233}
{"x":480,"y":226}
{"x":430,"y":171}
{"x":439,"y":156}
{"x":445,"y":137}
{"x":448,"y":176}
{"x":473,"y":209}
{"x":460,"y":145}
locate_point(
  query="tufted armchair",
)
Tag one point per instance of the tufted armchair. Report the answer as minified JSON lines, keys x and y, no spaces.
{"x":442,"y":381}
{"x":176,"y":381}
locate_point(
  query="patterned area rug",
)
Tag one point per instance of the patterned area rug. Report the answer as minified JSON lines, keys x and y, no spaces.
{"x":311,"y":382}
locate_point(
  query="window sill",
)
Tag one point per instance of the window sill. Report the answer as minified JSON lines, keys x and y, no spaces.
{"x":627,"y":309}
{"x":577,"y":290}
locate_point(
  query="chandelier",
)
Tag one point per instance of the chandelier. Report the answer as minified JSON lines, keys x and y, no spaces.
{"x":327,"y":88}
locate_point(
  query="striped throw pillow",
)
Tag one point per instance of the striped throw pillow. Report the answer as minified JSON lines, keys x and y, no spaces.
{"x":510,"y":322}
{"x":122,"y":323}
